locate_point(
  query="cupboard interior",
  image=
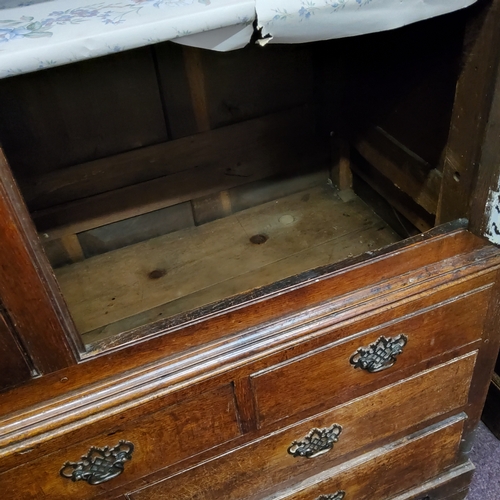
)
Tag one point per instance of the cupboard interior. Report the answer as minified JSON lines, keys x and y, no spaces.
{"x":167,"y":178}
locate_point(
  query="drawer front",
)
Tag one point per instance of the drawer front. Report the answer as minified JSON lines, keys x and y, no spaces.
{"x":451,"y":485}
{"x":333,"y":372}
{"x":148,"y":444}
{"x":270,"y":461}
{"x":387,"y":471}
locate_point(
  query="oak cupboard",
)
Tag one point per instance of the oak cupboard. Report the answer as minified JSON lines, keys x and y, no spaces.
{"x":266,"y":274}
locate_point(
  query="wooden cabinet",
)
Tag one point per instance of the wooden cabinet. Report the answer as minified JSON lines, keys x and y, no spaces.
{"x":240,"y":302}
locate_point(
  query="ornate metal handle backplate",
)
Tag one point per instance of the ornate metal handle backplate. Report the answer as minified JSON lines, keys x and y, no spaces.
{"x":317,"y":442}
{"x":100,"y":464}
{"x":339,"y":495}
{"x":380,"y":355}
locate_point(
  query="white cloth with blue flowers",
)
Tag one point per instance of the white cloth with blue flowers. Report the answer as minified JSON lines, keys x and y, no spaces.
{"x":37,"y":34}
{"x":295,"y":21}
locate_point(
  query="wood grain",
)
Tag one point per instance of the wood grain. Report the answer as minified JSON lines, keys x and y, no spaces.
{"x":196,"y":82}
{"x":36,"y":418}
{"x":410,"y":173}
{"x":199,"y":165}
{"x":14,"y":367}
{"x":402,"y":464}
{"x":218,"y":260}
{"x":28,"y":288}
{"x":429,"y":332}
{"x":483,"y":201}
{"x":451,"y":485}
{"x":161,"y":438}
{"x":80,"y":112}
{"x":366,"y":421}
{"x":471,"y":110}
{"x":403,"y":203}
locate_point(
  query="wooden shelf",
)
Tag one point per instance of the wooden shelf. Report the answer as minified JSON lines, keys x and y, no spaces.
{"x":187,"y":269}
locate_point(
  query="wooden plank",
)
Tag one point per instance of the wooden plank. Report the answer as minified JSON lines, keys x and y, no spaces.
{"x":28,"y":288}
{"x":79,"y":112}
{"x":130,"y":231}
{"x":196,"y":81}
{"x":403,"y":81}
{"x":471,"y":110}
{"x":484,"y":215}
{"x":451,"y":485}
{"x":410,"y":173}
{"x":341,"y":165}
{"x":206,"y":163}
{"x":174,"y":89}
{"x":253,"y":82}
{"x":303,"y":230}
{"x":399,"y":200}
{"x":239,"y":198}
{"x":72,"y":247}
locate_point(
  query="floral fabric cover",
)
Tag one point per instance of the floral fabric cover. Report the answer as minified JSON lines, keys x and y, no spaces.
{"x":296,"y":21}
{"x":36,"y":34}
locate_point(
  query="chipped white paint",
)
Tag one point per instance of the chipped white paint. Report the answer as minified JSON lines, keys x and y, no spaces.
{"x":492,"y":231}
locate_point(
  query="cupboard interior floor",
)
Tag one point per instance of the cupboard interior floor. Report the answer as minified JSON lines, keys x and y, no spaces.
{"x":181,"y":271}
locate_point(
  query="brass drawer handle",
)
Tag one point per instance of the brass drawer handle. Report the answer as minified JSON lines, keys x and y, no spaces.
{"x":316,"y":443}
{"x":100,"y":464}
{"x":339,"y":495}
{"x":380,"y":355}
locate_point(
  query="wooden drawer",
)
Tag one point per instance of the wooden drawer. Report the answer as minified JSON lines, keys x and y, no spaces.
{"x":387,"y":471}
{"x":328,"y":372}
{"x":159,"y":439}
{"x":451,"y":485}
{"x":364,"y":422}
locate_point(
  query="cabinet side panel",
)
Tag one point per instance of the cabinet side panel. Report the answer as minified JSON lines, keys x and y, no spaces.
{"x":14,"y":368}
{"x":28,"y":288}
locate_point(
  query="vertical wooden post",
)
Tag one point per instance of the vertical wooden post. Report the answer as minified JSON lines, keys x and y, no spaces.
{"x":484,"y":214}
{"x":28,"y":288}
{"x":341,"y":167}
{"x":196,"y":82}
{"x":473,"y":99}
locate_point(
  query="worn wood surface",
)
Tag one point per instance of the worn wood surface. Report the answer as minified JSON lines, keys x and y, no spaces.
{"x":136,"y":229}
{"x":201,"y":265}
{"x":486,"y":359}
{"x":471,"y":110}
{"x":452,"y":485}
{"x":195,"y":75}
{"x":253,"y":82}
{"x":410,"y":173}
{"x":161,"y":438}
{"x":403,"y":464}
{"x":36,"y":419}
{"x":202,"y":164}
{"x":484,"y":203}
{"x":14,"y":366}
{"x":28,"y":288}
{"x":216,"y":148}
{"x":266,"y":463}
{"x":403,"y":203}
{"x":429,"y":332}
{"x":80,"y":112}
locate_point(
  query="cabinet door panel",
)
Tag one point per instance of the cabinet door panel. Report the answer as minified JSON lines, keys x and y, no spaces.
{"x":13,"y":366}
